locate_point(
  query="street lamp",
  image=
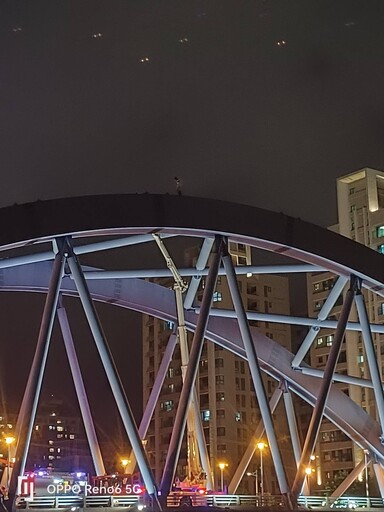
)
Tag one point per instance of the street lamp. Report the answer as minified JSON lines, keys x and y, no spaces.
{"x":308,"y":472}
{"x":222,"y":466}
{"x":261,"y":447}
{"x":9,"y":440}
{"x":366,"y":473}
{"x":256,"y":475}
{"x":124,"y":463}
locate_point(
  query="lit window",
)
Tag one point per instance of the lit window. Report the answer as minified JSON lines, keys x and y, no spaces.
{"x":317,"y":287}
{"x":170,"y":325}
{"x":318,"y":305}
{"x":167,"y":405}
{"x":171,"y":388}
{"x":379,"y":231}
{"x":51,"y":450}
{"x":217,"y":297}
{"x":360,"y":358}
{"x":237,"y":416}
{"x":71,"y":436}
{"x":50,"y":442}
{"x":206,"y":415}
{"x":320,"y":342}
{"x":330,"y":340}
{"x":220,"y":397}
{"x":60,"y":429}
{"x":380,"y":248}
{"x":381,"y":309}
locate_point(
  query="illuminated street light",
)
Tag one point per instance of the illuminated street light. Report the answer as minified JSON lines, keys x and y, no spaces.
{"x":124,"y":463}
{"x":222,"y":466}
{"x":261,"y":447}
{"x":308,"y":471}
{"x":9,"y":440}
{"x":256,"y":475}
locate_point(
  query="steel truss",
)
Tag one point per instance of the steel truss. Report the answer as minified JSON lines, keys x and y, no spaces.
{"x":57,"y":271}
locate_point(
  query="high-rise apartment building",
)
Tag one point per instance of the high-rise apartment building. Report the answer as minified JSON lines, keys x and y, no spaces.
{"x":228,"y":404}
{"x":360,"y":201}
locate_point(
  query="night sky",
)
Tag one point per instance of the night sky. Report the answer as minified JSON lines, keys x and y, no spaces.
{"x":263,"y":102}
{"x":250,"y":101}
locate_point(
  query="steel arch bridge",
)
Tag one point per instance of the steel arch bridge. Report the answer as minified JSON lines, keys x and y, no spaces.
{"x":41,"y":244}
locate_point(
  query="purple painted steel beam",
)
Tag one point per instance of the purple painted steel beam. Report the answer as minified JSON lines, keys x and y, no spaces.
{"x":374,"y":369}
{"x":81,"y":392}
{"x":254,"y":367}
{"x":113,"y":378}
{"x":27,"y":413}
{"x":190,"y":375}
{"x":318,"y":410}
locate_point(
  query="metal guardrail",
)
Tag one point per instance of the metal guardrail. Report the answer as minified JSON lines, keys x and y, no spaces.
{"x":348,"y":502}
{"x":69,"y":501}
{"x":217,"y":500}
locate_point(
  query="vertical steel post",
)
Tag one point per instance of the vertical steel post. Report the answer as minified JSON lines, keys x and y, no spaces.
{"x":318,"y":410}
{"x":254,"y":367}
{"x":190,"y":375}
{"x":80,"y":392}
{"x":371,"y":356}
{"x":292,"y":424}
{"x":27,"y":414}
{"x":113,"y":378}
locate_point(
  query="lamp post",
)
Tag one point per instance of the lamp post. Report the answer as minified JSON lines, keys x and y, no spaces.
{"x":256,"y":475}
{"x":9,"y":440}
{"x":308,"y":472}
{"x":222,"y":466}
{"x":261,"y":447}
{"x":366,"y":473}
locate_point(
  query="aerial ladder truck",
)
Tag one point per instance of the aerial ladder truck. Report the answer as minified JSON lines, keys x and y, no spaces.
{"x":198,"y":468}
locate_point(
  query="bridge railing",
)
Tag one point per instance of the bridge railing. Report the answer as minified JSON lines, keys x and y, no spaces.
{"x":348,"y":502}
{"x":69,"y":501}
{"x":218,"y":500}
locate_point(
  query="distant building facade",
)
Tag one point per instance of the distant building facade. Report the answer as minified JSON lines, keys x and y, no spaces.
{"x":360,"y":201}
{"x":58,"y":439}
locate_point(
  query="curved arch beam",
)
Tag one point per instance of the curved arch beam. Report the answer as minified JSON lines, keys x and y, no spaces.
{"x":23,"y":225}
{"x":158,"y":301}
